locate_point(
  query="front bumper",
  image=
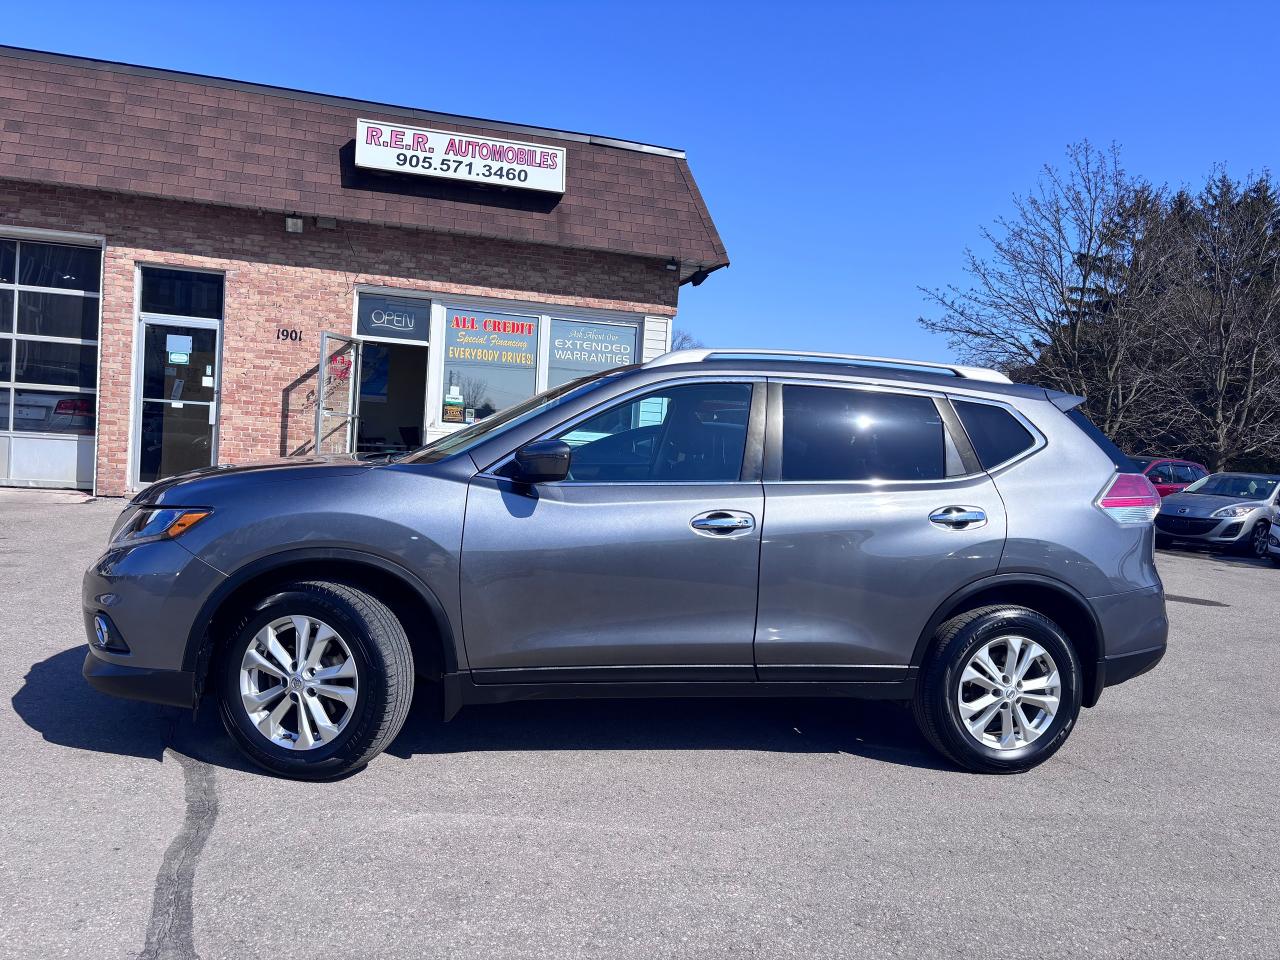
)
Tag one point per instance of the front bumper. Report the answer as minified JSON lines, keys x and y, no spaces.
{"x":1222,"y":531}
{"x":172,"y":687}
{"x":148,"y":598}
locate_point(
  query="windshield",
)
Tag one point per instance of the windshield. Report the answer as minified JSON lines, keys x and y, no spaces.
{"x":469,"y":436}
{"x":1245,"y":486}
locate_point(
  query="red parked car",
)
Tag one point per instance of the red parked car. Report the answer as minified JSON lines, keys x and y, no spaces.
{"x":1168,"y":475}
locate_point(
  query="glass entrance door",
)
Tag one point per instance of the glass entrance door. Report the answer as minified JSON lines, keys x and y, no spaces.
{"x":336,"y":398}
{"x":178,"y":398}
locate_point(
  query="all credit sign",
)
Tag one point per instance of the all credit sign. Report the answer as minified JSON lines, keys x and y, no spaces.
{"x":455,"y":156}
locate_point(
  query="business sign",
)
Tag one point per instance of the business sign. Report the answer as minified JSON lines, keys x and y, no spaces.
{"x":393,"y":318}
{"x":490,"y":363}
{"x":579,"y":348}
{"x":456,"y":156}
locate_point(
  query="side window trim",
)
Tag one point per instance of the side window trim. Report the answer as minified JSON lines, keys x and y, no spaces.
{"x":751,"y":459}
{"x":1038,"y":439}
{"x":774,"y":427}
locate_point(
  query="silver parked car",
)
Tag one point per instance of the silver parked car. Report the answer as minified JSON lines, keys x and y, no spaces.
{"x":712,"y":523}
{"x":1231,"y":510}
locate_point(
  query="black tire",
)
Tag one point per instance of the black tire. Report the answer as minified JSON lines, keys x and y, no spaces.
{"x":377,"y":642}
{"x":938,"y":714}
{"x":1255,"y":544}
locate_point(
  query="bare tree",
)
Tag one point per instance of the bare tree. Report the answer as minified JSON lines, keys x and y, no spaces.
{"x":1068,"y":295}
{"x":684,"y":340}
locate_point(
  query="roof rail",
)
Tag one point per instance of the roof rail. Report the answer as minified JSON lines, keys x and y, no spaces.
{"x":853,"y":359}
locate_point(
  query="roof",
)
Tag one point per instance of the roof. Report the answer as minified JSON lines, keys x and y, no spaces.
{"x":74,"y":121}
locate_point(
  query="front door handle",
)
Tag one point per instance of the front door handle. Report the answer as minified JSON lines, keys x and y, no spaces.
{"x":722,"y":523}
{"x":959,"y":518}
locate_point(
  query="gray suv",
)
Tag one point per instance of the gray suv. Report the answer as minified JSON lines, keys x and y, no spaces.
{"x":712,"y":523}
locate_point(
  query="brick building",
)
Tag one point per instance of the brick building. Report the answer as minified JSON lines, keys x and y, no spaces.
{"x":198,"y":270}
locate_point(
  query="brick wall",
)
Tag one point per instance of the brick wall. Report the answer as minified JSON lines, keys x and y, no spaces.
{"x":307,"y":281}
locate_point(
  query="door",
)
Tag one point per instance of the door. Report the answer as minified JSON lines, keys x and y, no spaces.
{"x":1163,"y":478}
{"x":177,"y":397}
{"x":337,"y":403}
{"x":641,"y":565}
{"x":874,"y":513}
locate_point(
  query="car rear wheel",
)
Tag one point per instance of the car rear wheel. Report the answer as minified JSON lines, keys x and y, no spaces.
{"x":1001,"y":691}
{"x":316,"y":680}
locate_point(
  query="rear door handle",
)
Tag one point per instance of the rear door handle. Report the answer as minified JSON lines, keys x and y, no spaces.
{"x":722,"y":523}
{"x":959,"y":518}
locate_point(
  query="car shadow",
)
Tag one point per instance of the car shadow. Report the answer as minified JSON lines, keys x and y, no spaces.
{"x":880,"y":730}
{"x":1217,"y":555}
{"x":55,"y":701}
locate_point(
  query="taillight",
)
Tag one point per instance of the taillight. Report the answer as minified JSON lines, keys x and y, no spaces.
{"x":1130,"y":498}
{"x":74,"y":407}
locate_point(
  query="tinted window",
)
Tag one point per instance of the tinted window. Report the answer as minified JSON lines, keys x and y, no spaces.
{"x":689,"y":433}
{"x":53,"y":265}
{"x":180,"y":293}
{"x":1186,"y":473}
{"x":829,"y":433}
{"x":6,"y":311}
{"x":61,"y":364}
{"x":1162,"y":473}
{"x":995,"y":433}
{"x":7,"y":250}
{"x":1103,"y":442}
{"x":58,"y":315}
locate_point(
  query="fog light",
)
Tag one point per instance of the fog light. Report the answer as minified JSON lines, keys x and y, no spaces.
{"x":106,"y":636}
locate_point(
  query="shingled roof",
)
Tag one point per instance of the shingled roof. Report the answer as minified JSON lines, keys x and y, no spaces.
{"x":109,"y":126}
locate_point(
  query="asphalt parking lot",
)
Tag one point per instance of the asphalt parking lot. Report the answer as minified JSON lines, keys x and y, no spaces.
{"x":641,"y":829}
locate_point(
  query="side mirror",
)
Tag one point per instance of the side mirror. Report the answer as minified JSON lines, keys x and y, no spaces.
{"x":543,"y":461}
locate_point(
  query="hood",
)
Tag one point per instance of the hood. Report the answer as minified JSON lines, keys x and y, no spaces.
{"x":188,"y":489}
{"x":1201,"y":505}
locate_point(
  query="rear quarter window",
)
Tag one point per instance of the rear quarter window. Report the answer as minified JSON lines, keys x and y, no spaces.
{"x":1103,"y":442}
{"x":995,"y":433}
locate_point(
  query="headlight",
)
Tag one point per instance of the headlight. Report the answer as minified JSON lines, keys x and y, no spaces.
{"x":1238,"y":511}
{"x":151,"y":523}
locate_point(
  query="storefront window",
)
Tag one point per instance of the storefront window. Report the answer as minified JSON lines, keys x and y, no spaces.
{"x":579,"y":348}
{"x":490,"y":363}
{"x":48,"y":346}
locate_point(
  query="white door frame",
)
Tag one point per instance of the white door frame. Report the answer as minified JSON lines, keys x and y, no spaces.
{"x":139,"y":352}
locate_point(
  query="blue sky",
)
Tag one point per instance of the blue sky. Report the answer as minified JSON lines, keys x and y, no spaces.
{"x":848,"y":152}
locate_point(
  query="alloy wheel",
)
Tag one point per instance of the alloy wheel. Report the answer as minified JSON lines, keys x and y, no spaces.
{"x":1259,"y":538}
{"x":298,"y":683}
{"x":1008,"y":692}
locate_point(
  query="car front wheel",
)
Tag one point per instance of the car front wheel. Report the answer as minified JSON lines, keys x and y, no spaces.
{"x":1258,"y":538}
{"x":316,"y":680}
{"x":1001,"y":691}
